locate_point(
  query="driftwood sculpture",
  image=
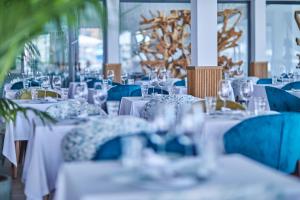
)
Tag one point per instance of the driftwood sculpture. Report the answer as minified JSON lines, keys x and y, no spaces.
{"x":166,"y":41}
{"x":297,"y":18}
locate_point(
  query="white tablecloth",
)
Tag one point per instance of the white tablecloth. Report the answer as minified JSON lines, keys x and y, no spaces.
{"x":42,"y":161}
{"x":21,"y":130}
{"x":132,"y":105}
{"x":92,"y":181}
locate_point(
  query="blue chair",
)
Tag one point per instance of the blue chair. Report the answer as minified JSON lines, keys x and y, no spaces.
{"x":112,"y":149}
{"x":272,"y":140}
{"x":138,"y":92}
{"x":117,"y":92}
{"x":264,"y":81}
{"x":282,"y":101}
{"x":180,"y":83}
{"x":293,"y":85}
{"x":19,"y":85}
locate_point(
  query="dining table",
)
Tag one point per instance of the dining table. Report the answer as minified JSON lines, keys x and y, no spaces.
{"x":236,"y":177}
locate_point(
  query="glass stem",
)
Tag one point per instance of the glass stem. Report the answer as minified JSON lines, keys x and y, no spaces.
{"x":225,"y":104}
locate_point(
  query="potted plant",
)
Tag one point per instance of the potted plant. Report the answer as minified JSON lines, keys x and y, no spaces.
{"x":22,"y":21}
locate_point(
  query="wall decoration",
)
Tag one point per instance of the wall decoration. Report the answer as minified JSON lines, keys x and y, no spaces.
{"x":166,"y":41}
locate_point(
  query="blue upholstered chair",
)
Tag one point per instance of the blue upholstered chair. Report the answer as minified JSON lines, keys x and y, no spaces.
{"x":116,"y":93}
{"x":293,"y":85}
{"x":19,"y":85}
{"x":282,"y":101}
{"x":180,"y":83}
{"x":112,"y":149}
{"x":264,"y":81}
{"x":138,"y":92}
{"x":272,"y":140}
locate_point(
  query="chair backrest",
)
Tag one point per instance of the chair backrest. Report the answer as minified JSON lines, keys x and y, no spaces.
{"x":117,"y":92}
{"x":282,"y":101}
{"x":293,"y":85}
{"x":271,"y":139}
{"x":138,"y":92}
{"x":264,"y":81}
{"x":180,"y":83}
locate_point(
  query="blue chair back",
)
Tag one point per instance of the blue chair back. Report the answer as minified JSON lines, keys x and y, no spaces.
{"x":117,"y":92}
{"x":272,"y":140}
{"x":264,"y":81}
{"x":138,"y":92}
{"x":293,"y":85}
{"x":112,"y":149}
{"x":282,"y":101}
{"x":19,"y":85}
{"x":180,"y":83}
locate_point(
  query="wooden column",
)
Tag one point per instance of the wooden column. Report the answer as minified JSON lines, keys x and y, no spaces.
{"x":114,"y":67}
{"x":203,"y":81}
{"x":259,"y":69}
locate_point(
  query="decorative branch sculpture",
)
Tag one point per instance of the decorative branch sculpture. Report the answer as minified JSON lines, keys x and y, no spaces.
{"x":166,"y":41}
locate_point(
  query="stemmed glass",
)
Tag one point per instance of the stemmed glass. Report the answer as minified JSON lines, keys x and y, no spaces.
{"x":144,"y":89}
{"x":224,"y":92}
{"x":124,"y":78}
{"x":110,"y":76}
{"x":100,"y":94}
{"x":163,"y":122}
{"x":45,"y":84}
{"x":81,"y":92}
{"x":290,"y":75}
{"x":56,"y":84}
{"x":247,"y":91}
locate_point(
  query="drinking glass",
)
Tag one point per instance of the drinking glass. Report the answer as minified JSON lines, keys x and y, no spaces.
{"x":290,"y":76}
{"x":246,"y":91}
{"x":81,"y":92}
{"x":132,"y":151}
{"x":100,"y":95}
{"x":163,"y":122}
{"x":130,"y":81}
{"x":124,"y":78}
{"x":210,"y":104}
{"x":110,"y":76}
{"x":45,"y":84}
{"x":274,"y":80}
{"x":105,"y":83}
{"x":26,"y":83}
{"x":259,"y":105}
{"x":144,"y":89}
{"x":56,"y":83}
{"x":224,"y":92}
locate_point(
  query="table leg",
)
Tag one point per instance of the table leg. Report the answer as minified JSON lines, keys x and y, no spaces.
{"x":15,"y":168}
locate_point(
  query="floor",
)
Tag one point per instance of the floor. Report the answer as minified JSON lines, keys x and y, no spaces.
{"x":17,"y":185}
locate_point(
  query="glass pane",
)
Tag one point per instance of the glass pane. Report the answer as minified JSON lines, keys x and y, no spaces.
{"x":238,"y":53}
{"x":282,"y":31}
{"x":130,"y":34}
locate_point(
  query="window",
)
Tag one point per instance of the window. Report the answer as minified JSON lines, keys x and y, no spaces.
{"x":130,"y":34}
{"x":282,"y":31}
{"x":240,"y":52}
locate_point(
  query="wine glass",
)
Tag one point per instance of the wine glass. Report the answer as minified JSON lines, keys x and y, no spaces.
{"x":110,"y":76}
{"x":224,"y":92}
{"x":163,"y":122}
{"x":81,"y":92}
{"x":56,"y":84}
{"x":290,"y":75}
{"x":100,"y":96}
{"x":45,"y":84}
{"x":144,"y":89}
{"x":124,"y":78}
{"x":246,"y":91}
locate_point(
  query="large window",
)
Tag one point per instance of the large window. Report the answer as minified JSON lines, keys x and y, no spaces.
{"x":241,"y":51}
{"x":282,"y":31}
{"x":130,"y":31}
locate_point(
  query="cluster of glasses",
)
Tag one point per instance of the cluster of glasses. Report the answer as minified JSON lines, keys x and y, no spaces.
{"x":160,"y":79}
{"x":285,"y":77}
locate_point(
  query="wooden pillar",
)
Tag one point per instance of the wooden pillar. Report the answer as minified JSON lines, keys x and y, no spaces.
{"x":204,"y":81}
{"x":114,"y":67}
{"x":259,"y":69}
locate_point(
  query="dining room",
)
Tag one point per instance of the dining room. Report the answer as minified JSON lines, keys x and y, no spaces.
{"x":150,"y":99}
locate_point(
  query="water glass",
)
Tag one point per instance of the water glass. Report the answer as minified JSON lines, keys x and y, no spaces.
{"x":259,"y":105}
{"x":64,"y":92}
{"x":105,"y":83}
{"x":81,"y":92}
{"x":144,"y":89}
{"x":26,"y":83}
{"x":45,"y":84}
{"x":56,"y":83}
{"x":124,"y":78}
{"x":100,"y":96}
{"x":113,"y":107}
{"x":210,"y":104}
{"x":246,"y":91}
{"x":274,"y":80}
{"x":110,"y":76}
{"x":132,"y":151}
{"x":34,"y":94}
{"x":130,"y":81}
{"x":225,"y":92}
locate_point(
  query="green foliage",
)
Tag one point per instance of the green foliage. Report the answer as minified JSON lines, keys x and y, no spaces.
{"x":23,"y":20}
